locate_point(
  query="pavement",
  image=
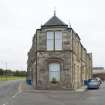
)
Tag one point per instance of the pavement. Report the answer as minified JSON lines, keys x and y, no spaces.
{"x":82,"y":89}
{"x":24,"y":87}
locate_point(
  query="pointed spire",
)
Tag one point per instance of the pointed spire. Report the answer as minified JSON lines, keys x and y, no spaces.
{"x":55,"y":21}
{"x":69,"y":24}
{"x":41,"y":23}
{"x":54,"y":11}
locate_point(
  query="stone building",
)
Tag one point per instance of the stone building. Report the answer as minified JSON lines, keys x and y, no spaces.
{"x":99,"y":72}
{"x":57,"y":59}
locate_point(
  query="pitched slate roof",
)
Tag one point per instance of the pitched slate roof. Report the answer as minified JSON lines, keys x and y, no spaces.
{"x":54,"y":21}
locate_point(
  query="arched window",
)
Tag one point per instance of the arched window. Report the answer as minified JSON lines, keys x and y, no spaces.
{"x":54,"y":72}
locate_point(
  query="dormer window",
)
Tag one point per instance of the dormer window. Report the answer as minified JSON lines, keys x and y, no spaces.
{"x":54,"y":40}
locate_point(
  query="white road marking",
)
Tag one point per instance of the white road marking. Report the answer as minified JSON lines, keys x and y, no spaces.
{"x":16,"y":94}
{"x":19,"y":91}
{"x":5,"y":103}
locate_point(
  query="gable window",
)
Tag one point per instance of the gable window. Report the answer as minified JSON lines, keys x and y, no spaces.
{"x":54,"y":40}
{"x":54,"y":72}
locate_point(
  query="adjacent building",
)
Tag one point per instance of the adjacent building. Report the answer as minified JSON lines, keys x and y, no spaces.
{"x":57,"y":59}
{"x":99,"y":72}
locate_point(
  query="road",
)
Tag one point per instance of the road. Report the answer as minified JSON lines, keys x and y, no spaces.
{"x":90,"y":97}
{"x":8,"y":90}
{"x":11,"y":95}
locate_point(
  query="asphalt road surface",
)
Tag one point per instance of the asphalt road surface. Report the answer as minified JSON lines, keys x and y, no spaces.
{"x":8,"y":90}
{"x":89,"y":97}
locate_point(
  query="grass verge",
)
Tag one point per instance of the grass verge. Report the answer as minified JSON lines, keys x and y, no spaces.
{"x":4,"y":78}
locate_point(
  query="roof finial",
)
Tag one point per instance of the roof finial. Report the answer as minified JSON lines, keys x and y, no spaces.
{"x":41,"y":23}
{"x":69,"y":24}
{"x":54,"y":11}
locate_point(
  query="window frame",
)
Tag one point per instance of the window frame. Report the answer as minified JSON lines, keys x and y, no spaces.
{"x":49,"y":39}
{"x":54,"y":41}
{"x":58,"y":71}
{"x":59,"y":40}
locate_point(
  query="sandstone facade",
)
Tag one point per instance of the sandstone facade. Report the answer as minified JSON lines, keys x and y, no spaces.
{"x":75,"y":63}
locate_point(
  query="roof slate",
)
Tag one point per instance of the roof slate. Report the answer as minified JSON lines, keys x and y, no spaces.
{"x":54,"y":21}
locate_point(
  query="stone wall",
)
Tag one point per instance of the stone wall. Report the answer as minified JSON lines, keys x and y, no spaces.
{"x":76,"y":64}
{"x":43,"y":59}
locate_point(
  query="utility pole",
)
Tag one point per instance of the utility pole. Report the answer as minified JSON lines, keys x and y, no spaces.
{"x":6,"y":70}
{"x":1,"y":75}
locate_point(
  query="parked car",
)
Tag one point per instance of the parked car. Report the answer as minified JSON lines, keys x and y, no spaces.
{"x":93,"y":84}
{"x":99,"y":80}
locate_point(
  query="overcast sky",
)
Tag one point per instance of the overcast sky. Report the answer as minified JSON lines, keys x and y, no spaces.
{"x":19,"y":20}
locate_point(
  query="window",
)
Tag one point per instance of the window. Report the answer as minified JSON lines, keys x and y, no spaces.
{"x":54,"y":71}
{"x":58,"y":40}
{"x":54,"y":40}
{"x":50,"y":40}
